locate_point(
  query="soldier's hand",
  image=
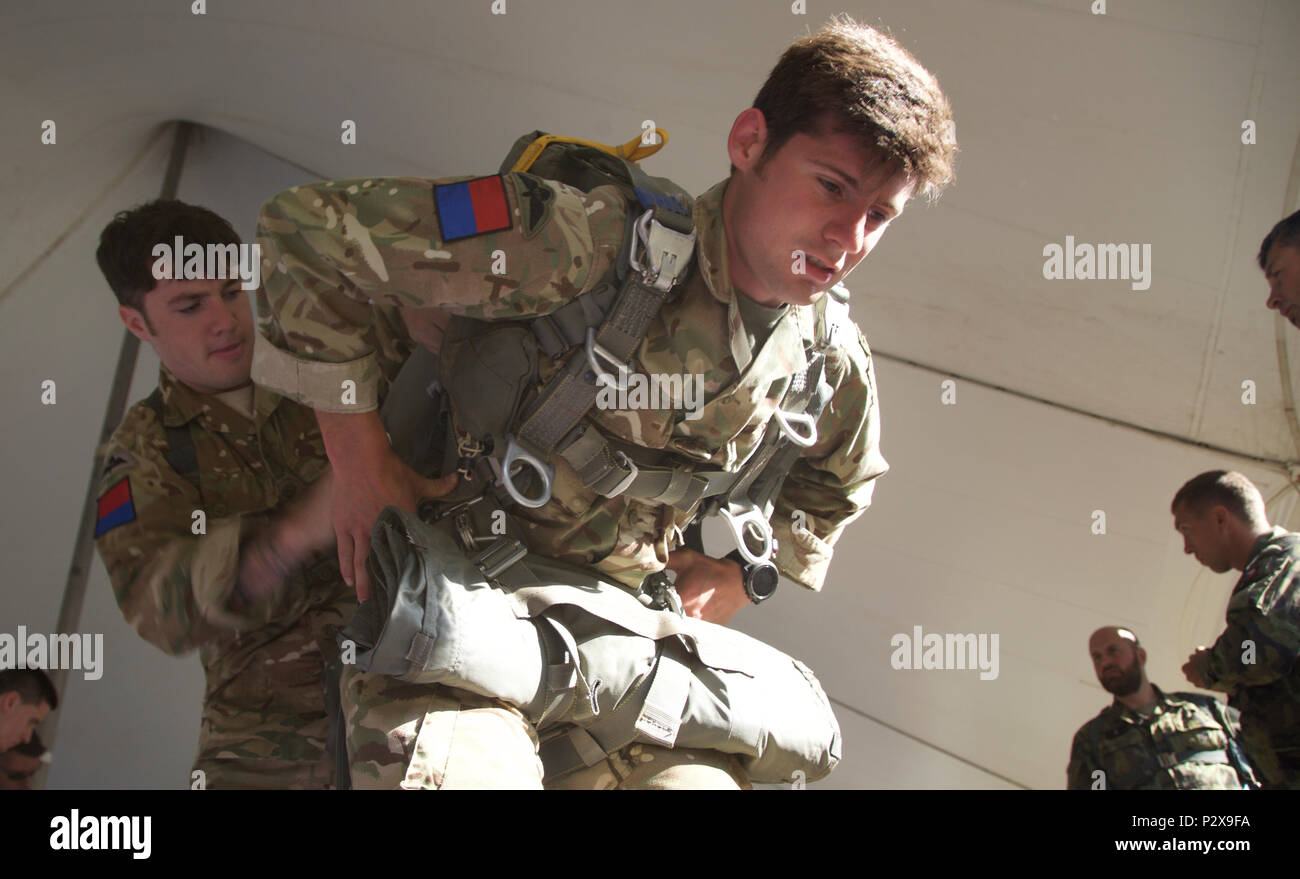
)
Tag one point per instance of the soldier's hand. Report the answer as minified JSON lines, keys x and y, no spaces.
{"x":1194,"y":667}
{"x":710,"y":589}
{"x":359,"y":498}
{"x":368,"y":476}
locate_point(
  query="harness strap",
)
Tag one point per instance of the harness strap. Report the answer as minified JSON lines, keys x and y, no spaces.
{"x":180,"y":454}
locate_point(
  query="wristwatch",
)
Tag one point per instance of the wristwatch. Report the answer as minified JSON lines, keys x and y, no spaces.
{"x":760,"y":578}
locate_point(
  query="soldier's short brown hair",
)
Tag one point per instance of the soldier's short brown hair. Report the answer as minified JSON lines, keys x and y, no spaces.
{"x":125,"y":253}
{"x":1231,"y":490}
{"x":853,"y":79}
{"x":1286,"y":233}
{"x":32,"y":685}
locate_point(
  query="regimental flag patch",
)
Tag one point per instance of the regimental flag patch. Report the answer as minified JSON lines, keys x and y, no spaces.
{"x":472,"y":207}
{"x":115,"y":507}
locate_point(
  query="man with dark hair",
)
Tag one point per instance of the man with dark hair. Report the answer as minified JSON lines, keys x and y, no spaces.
{"x":1147,"y":739}
{"x":26,"y":696}
{"x":848,"y":128}
{"x":19,"y":764}
{"x":1279,"y":257}
{"x":214,"y":513}
{"x":1256,"y":660}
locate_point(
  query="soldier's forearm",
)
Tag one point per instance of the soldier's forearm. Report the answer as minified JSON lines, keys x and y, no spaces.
{"x":353,"y":443}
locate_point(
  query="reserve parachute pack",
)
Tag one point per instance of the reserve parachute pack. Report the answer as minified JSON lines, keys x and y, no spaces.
{"x":593,"y":668}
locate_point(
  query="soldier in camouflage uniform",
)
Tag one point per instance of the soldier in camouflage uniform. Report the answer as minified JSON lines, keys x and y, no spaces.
{"x":198,"y":525}
{"x":848,"y":127}
{"x":1257,"y":658}
{"x":1148,"y":739}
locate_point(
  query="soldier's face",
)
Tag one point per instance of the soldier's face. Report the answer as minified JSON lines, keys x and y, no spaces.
{"x":807,"y":217}
{"x":202,"y":330}
{"x":1204,"y":536}
{"x":18,"y":720}
{"x":1117,"y":662}
{"x":1282,"y":269}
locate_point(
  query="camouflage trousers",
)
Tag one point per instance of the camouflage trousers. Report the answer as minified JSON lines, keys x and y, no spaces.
{"x":419,"y":736}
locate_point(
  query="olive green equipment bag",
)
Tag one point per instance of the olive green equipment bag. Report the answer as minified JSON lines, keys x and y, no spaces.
{"x":588,"y":663}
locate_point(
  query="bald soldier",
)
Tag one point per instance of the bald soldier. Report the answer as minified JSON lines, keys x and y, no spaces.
{"x":214,"y":512}
{"x":1279,"y":257}
{"x":846,"y":130}
{"x":1147,"y":739}
{"x":1256,"y":660}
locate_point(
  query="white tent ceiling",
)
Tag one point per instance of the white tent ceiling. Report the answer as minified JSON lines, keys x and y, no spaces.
{"x":1116,"y":128}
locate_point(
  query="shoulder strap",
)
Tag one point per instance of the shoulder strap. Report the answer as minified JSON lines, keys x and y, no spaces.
{"x":180,"y":454}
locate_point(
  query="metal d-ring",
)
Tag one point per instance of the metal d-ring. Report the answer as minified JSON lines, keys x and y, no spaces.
{"x":543,"y":470}
{"x":751,"y":518}
{"x":787,"y":420}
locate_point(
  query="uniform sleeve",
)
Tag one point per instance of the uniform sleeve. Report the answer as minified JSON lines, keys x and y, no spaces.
{"x":1083,"y":763}
{"x":832,"y":483}
{"x":174,"y":587}
{"x":1256,"y":648}
{"x":332,"y":250}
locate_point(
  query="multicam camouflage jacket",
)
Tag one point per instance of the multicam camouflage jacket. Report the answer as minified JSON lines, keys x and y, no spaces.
{"x":1182,"y":745}
{"x":1257,"y":658}
{"x":334,"y":251}
{"x":175,"y":586}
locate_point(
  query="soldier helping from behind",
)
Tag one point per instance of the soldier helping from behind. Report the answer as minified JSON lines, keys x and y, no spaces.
{"x":214,"y":512}
{"x":1279,"y":257}
{"x":1147,"y":739}
{"x":846,"y":130}
{"x":1222,"y":520}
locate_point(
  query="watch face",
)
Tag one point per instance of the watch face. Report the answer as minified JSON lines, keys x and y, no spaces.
{"x":762,"y":581}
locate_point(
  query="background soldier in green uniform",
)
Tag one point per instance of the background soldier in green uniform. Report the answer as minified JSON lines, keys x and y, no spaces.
{"x":1257,"y":658}
{"x":848,"y":127}
{"x":1279,"y":257}
{"x":214,"y":514}
{"x":1148,"y":739}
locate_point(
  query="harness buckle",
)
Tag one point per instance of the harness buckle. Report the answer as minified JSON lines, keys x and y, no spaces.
{"x":752,"y":520}
{"x":623,"y":485}
{"x":544,"y":471}
{"x":604,"y":376}
{"x":503,"y":553}
{"x":659,"y":254}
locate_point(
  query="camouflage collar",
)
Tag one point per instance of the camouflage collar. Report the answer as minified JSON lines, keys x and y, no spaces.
{"x":712,"y":249}
{"x":182,"y":404}
{"x":1261,"y":543}
{"x":1161,"y":703}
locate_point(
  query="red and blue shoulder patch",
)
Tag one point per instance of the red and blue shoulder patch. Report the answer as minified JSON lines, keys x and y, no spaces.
{"x":472,"y":207}
{"x":115,"y":507}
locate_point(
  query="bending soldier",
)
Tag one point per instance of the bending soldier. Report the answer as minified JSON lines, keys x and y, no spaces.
{"x":847,"y":128}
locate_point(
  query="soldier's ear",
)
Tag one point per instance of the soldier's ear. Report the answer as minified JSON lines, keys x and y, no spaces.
{"x":747,"y":139}
{"x":135,"y":322}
